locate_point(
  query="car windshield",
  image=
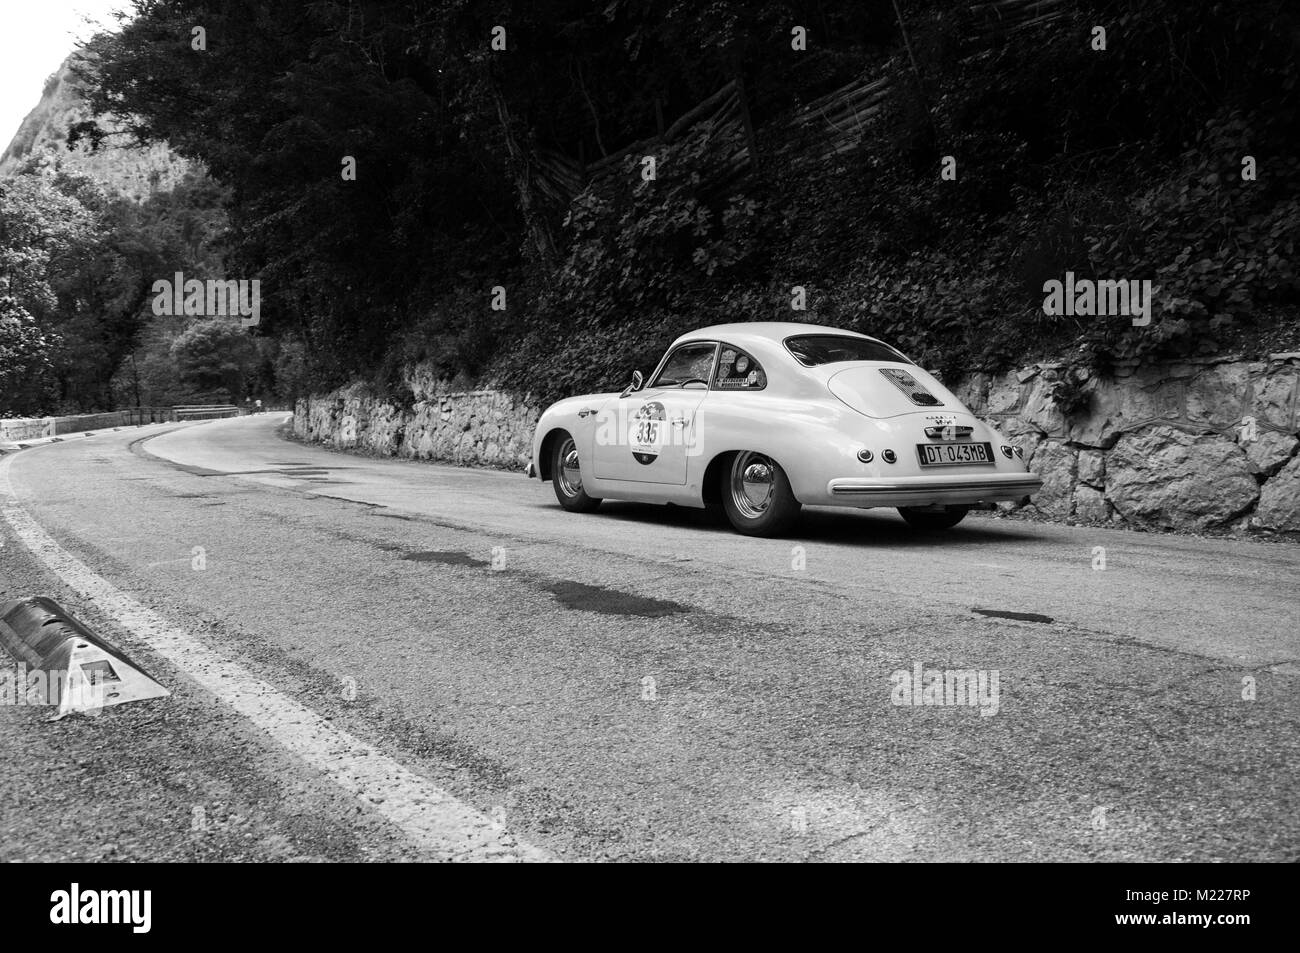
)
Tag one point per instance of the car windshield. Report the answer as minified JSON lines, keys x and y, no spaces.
{"x":690,"y":362}
{"x":814,"y":349}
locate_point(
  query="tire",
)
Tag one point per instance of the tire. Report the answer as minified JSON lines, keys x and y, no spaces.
{"x":932,"y":520}
{"x":568,"y":480}
{"x":756,"y":495}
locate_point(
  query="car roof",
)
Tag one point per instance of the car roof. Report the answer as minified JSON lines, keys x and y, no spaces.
{"x":771,"y":332}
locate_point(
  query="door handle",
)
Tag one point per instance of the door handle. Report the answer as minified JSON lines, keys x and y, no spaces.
{"x":678,"y":421}
{"x":585,"y":411}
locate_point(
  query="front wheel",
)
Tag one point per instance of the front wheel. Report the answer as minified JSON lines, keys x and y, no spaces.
{"x":757,"y":497}
{"x":933,"y":519}
{"x":566,"y":477}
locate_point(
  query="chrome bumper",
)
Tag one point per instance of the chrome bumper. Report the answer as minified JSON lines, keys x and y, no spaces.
{"x":530,"y":471}
{"x":920,"y":491}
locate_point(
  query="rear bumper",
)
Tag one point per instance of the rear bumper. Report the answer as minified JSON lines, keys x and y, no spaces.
{"x":932,"y":490}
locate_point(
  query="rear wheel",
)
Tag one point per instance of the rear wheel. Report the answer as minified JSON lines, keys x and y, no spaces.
{"x":933,"y":519}
{"x":756,"y":495}
{"x":566,"y":477}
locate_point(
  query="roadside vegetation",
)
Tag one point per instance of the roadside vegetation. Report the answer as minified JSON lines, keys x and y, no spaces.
{"x":483,"y":175}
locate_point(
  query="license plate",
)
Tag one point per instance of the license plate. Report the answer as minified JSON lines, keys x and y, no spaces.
{"x":953,"y":454}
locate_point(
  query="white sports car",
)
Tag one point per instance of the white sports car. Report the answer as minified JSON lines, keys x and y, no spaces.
{"x":766,"y":417}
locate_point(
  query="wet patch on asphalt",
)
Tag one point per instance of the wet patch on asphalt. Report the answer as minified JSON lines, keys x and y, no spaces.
{"x":578,"y":595}
{"x":445,"y":558}
{"x":1018,"y":616}
{"x":571,"y":595}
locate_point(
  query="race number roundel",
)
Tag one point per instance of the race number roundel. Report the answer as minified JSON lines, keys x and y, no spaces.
{"x":647,"y":432}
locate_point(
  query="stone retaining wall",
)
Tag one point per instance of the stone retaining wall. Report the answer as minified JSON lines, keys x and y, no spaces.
{"x":1197,"y":446}
{"x":1200,"y":445}
{"x":480,"y":428}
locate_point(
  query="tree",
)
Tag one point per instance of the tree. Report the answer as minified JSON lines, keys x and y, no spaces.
{"x":470,"y":160}
{"x":26,"y":383}
{"x":41,"y":230}
{"x":215,"y":358}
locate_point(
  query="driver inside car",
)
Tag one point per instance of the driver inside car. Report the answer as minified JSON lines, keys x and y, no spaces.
{"x":687,"y":365}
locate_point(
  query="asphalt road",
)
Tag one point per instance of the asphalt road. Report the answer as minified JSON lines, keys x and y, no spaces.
{"x":635,"y":684}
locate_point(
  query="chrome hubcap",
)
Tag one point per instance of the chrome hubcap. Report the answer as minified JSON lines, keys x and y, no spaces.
{"x":570,"y":474}
{"x":753,"y":478}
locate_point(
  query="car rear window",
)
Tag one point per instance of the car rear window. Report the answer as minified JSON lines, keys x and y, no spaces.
{"x":738,"y":371}
{"x":811,"y":350}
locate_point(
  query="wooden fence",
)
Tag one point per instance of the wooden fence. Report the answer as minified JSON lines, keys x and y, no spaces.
{"x":835,"y":123}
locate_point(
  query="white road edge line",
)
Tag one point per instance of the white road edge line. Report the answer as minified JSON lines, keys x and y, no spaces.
{"x":432,"y":818}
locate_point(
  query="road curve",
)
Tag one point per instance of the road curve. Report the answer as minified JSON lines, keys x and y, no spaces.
{"x":641,"y":683}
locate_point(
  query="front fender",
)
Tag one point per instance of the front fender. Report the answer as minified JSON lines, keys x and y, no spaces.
{"x":574,"y":415}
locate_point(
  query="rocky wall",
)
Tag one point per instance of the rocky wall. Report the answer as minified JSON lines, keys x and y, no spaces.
{"x":1200,"y":446}
{"x":476,"y":428}
{"x":1197,"y":446}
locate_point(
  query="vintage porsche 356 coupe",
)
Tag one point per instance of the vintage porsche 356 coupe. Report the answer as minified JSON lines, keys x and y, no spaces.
{"x":764,"y":418}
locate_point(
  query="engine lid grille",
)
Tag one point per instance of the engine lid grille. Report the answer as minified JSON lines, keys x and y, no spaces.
{"x":910,"y":386}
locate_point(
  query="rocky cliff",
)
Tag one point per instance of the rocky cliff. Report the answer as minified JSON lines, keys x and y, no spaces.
{"x":119,"y":165}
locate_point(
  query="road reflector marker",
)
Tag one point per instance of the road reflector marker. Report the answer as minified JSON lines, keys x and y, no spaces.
{"x":79,"y":671}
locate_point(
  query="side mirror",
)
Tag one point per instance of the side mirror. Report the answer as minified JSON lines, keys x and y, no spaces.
{"x":637,"y":380}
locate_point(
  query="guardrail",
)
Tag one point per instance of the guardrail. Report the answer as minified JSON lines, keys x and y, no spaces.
{"x":139,"y":416}
{"x":205,"y":411}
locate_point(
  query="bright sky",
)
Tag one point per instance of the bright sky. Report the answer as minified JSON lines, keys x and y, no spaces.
{"x":35,"y":37}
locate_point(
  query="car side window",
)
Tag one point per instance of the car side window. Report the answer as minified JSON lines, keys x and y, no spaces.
{"x":738,"y":371}
{"x":690,"y":362}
